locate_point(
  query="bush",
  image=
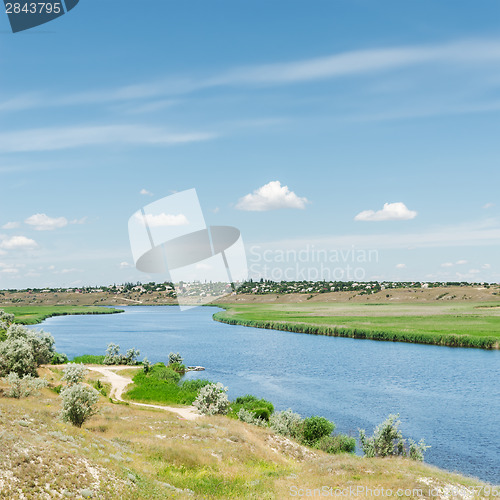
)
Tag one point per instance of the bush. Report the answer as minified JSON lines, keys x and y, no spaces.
{"x":260,"y":407}
{"x":178,"y":368}
{"x":287,"y":423}
{"x":314,"y":428}
{"x":23,"y":387}
{"x":387,"y":440}
{"x":114,"y":357}
{"x":24,"y":350}
{"x":146,"y":365}
{"x":250,"y":418}
{"x":340,"y":443}
{"x":74,"y":374}
{"x":78,"y":403}
{"x":212,"y":400}
{"x":59,"y":359}
{"x":175,"y":357}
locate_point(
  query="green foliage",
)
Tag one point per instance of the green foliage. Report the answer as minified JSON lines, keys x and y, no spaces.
{"x":89,"y":359}
{"x":260,"y":408}
{"x":175,"y":357}
{"x":22,"y":387}
{"x":79,"y":403}
{"x":146,"y":365}
{"x":114,"y":357}
{"x":250,"y":418}
{"x":99,"y":387}
{"x":387,"y":440}
{"x":178,"y":368}
{"x":59,"y":359}
{"x":162,"y":385}
{"x":287,"y":423}
{"x":74,"y":373}
{"x":339,"y":443}
{"x":212,"y":400}
{"x":314,"y":428}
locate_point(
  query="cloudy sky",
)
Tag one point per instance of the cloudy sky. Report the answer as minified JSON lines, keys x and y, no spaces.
{"x":315,"y":126}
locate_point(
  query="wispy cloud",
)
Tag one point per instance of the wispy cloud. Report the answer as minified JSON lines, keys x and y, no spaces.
{"x":459,"y":53}
{"x":57,"y":138}
{"x":271,"y":196}
{"x":42,"y":222}
{"x":11,"y":225}
{"x":145,"y":192}
{"x":17,"y":243}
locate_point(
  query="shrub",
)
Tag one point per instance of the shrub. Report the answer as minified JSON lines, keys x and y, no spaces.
{"x":212,"y":400}
{"x":59,"y":359}
{"x":174,"y":357}
{"x":78,"y":403}
{"x":146,"y":365}
{"x":314,"y":428}
{"x":130,"y":357}
{"x":250,"y":418}
{"x":388,"y":440}
{"x":340,"y":443}
{"x":260,"y":407}
{"x":74,"y":374}
{"x":16,"y":356}
{"x":287,"y":423}
{"x":41,"y":343}
{"x":114,"y":357}
{"x":23,"y":387}
{"x":178,"y":368}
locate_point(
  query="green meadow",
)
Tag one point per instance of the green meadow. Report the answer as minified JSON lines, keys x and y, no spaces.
{"x":31,"y":315}
{"x":459,"y":324}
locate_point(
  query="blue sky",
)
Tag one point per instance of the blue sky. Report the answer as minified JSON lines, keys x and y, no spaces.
{"x":352,"y":105}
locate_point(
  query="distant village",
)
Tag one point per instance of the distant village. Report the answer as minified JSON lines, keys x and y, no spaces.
{"x":261,"y":287}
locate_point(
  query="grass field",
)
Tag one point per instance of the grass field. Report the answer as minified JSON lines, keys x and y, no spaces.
{"x":31,"y":315}
{"x":462,"y":324}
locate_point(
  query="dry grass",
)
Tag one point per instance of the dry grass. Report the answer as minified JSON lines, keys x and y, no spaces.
{"x":133,"y":453}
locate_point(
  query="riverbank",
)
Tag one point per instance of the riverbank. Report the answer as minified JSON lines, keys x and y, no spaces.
{"x":138,"y":452}
{"x":32,"y":315}
{"x":468,"y":324}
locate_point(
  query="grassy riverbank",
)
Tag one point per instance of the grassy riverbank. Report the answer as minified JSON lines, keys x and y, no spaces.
{"x":137,"y":453}
{"x":463,"y":324}
{"x":31,"y":315}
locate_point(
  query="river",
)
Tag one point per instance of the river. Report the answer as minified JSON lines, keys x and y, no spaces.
{"x":448,"y":396}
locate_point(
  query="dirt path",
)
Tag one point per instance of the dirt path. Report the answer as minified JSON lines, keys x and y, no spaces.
{"x":119,"y":383}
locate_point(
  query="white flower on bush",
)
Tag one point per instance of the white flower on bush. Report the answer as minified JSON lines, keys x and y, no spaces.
{"x":287,"y":423}
{"x":74,"y":373}
{"x":23,"y":387}
{"x":212,"y":400}
{"x":78,"y":403}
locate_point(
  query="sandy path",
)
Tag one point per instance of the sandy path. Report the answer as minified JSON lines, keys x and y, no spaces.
{"x":119,"y":383}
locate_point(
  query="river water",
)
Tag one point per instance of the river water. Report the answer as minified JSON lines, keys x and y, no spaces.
{"x":448,"y":396}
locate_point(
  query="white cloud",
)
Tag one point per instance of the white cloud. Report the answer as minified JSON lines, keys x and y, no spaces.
{"x":51,"y":268}
{"x":447,"y":264}
{"x":488,"y":205}
{"x":271,"y":196}
{"x":145,"y":192}
{"x":18,"y":243}
{"x":461,"y":262}
{"x":474,"y":271}
{"x":11,"y":225}
{"x":486,"y":266}
{"x":391,"y":211}
{"x":400,"y":266}
{"x":124,"y":265}
{"x":9,"y":270}
{"x":42,"y":222}
{"x":55,"y":138}
{"x":163,"y":220}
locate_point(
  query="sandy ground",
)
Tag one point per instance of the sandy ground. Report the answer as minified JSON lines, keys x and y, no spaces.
{"x":119,"y":383}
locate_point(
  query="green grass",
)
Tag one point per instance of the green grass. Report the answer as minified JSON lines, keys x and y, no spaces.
{"x":163,"y":385}
{"x":31,"y":315}
{"x":89,"y":359}
{"x":453,"y":325}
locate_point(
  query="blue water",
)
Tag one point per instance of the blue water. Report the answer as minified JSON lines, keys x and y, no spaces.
{"x":448,"y":396}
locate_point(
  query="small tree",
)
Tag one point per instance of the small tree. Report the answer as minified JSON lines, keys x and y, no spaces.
{"x":74,"y":373}
{"x":23,"y":387}
{"x":146,"y":365}
{"x":212,"y":400}
{"x":78,"y":403}
{"x":16,"y":356}
{"x":175,"y":357}
{"x":314,"y":428}
{"x":112,"y":354}
{"x":131,"y":356}
{"x":388,"y":440}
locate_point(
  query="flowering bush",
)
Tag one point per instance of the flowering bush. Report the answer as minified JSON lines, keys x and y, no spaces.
{"x":388,"y":440}
{"x":23,"y":387}
{"x":78,"y":403}
{"x":287,"y":423}
{"x":74,"y":373}
{"x":212,"y":400}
